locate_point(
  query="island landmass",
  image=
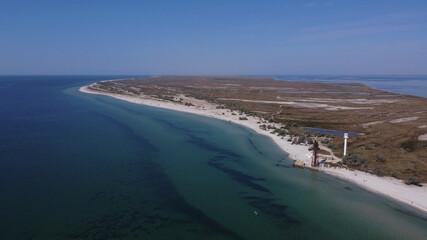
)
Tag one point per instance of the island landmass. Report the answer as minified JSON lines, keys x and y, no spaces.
{"x":386,"y":151}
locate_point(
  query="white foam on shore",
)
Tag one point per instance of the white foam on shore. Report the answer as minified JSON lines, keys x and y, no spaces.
{"x":393,"y":188}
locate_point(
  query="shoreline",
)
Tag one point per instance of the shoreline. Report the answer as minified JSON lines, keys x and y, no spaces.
{"x":387,"y":186}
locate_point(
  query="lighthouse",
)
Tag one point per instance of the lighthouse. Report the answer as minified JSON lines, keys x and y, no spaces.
{"x":345,"y":143}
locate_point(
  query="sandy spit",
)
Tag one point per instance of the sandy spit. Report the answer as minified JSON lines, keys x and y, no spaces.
{"x":390,"y":187}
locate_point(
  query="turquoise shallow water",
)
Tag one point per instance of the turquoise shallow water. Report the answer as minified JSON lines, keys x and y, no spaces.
{"x":81,"y":166}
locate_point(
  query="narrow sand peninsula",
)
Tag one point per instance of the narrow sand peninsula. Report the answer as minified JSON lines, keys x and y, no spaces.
{"x":412,"y":195}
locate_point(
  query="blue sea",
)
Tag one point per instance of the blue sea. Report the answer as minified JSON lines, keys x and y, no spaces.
{"x":82,"y":166}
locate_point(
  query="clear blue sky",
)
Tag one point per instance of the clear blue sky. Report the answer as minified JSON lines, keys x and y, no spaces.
{"x":213,"y":37}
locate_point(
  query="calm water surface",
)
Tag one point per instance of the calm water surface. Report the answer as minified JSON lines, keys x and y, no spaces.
{"x":81,"y":166}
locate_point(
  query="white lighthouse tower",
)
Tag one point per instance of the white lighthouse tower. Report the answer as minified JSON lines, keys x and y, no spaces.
{"x":345,"y":143}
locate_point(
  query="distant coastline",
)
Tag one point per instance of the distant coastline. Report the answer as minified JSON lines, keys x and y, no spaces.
{"x":415,"y":85}
{"x":393,"y":188}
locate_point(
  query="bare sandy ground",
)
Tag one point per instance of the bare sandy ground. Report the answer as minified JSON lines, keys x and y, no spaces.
{"x":301,"y":104}
{"x":422,"y":137}
{"x":412,"y":195}
{"x":399,"y":120}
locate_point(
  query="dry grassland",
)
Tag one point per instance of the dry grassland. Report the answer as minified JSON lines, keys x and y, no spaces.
{"x":390,"y":126}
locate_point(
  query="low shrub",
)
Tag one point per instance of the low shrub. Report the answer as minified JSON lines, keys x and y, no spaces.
{"x":353,"y":160}
{"x":331,"y":145}
{"x":379,"y":158}
{"x":412,"y":180}
{"x":377,"y":171}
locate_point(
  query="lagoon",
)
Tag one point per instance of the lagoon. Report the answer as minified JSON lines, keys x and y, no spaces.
{"x":333,"y":132}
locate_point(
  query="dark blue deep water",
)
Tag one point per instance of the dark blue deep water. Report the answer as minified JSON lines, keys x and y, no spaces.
{"x":82,"y":166}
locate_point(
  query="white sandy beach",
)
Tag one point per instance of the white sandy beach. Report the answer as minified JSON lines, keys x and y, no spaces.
{"x":412,"y":195}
